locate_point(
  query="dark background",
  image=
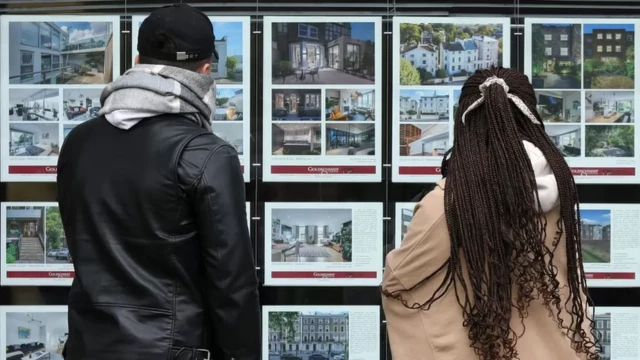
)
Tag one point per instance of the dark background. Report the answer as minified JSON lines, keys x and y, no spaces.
{"x":386,"y":192}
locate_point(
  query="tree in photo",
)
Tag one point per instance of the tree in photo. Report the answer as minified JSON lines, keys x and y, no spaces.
{"x":368,"y":58}
{"x":408,"y":74}
{"x":231,"y":64}
{"x":629,"y":64}
{"x":538,"y":56}
{"x":284,"y":323}
{"x":54,"y":229}
{"x":410,"y":34}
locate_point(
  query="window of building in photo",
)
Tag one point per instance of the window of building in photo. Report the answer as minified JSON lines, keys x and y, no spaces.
{"x":564,"y":37}
{"x":618,"y":48}
{"x":564,"y":51}
{"x":307,"y":31}
{"x":548,"y":51}
{"x":599,"y":49}
{"x":618,"y":36}
{"x":599,"y":36}
{"x":609,"y":48}
{"x":26,"y":65}
{"x":609,"y":36}
{"x":547,"y":37}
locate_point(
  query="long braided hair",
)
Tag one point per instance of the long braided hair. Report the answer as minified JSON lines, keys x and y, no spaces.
{"x":496,"y":223}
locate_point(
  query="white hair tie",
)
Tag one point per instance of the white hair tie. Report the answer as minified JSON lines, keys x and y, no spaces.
{"x":516,"y":100}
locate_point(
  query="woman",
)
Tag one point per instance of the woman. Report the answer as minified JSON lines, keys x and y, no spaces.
{"x":491,"y":266}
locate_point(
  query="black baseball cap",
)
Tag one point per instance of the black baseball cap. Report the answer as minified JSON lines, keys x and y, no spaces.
{"x":187,"y":29}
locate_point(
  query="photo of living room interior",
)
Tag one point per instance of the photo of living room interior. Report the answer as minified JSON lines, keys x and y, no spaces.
{"x":350,"y":105}
{"x":232,"y":133}
{"x":566,"y":138}
{"x":350,"y":139}
{"x":311,"y":235}
{"x":33,"y":139}
{"x":81,"y":104}
{"x":36,"y":335}
{"x":559,"y":106}
{"x":34,"y":104}
{"x":296,"y":105}
{"x":609,"y":107}
{"x":424,"y":140}
{"x":296,"y":139}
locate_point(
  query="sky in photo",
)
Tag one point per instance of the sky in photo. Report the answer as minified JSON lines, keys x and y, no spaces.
{"x":226,"y":93}
{"x":233,"y":32}
{"x":588,"y":28}
{"x":417,"y":94}
{"x":601,"y":217}
{"x":363,"y":31}
{"x":84,"y":30}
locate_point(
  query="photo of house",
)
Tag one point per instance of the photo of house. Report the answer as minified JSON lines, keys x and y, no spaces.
{"x":25,"y":235}
{"x":559,"y":106}
{"x":596,"y":235}
{"x":296,"y":104}
{"x":35,"y":335}
{"x":66,"y":130}
{"x":311,"y":235}
{"x":424,"y":140}
{"x":34,"y":104}
{"x":556,"y":56}
{"x":609,"y":56}
{"x":606,"y":107}
{"x":602,"y":322}
{"x":423,"y":105}
{"x":350,"y":139}
{"x":229,"y":104}
{"x":323,"y":53}
{"x":229,"y":45}
{"x":81,"y":104}
{"x":350,"y":105}
{"x":232,"y":133}
{"x":57,"y":248}
{"x":33,"y":139}
{"x":296,"y":139}
{"x":446,"y":53}
{"x":566,"y":138}
{"x":610,"y":140}
{"x":60,"y":52}
{"x":311,"y":335}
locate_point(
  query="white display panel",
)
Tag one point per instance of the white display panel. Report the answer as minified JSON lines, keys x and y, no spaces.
{"x":433,"y":58}
{"x":232,"y":73}
{"x":619,"y":329}
{"x":332,"y":332}
{"x":611,"y":244}
{"x":323,"y":244}
{"x":34,"y":250}
{"x":52,"y":74}
{"x":322,"y":103}
{"x":583,"y":73}
{"x":33,"y":332}
{"x":404,"y":214}
{"x":248,"y":206}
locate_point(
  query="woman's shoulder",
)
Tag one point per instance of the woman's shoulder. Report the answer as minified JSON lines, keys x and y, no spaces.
{"x":433,"y":201}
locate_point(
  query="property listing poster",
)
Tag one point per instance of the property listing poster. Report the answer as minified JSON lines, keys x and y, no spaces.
{"x":433,"y":58}
{"x":232,"y":120}
{"x":52,"y":74}
{"x":321,"y":332}
{"x":323,"y":244}
{"x":33,"y":332}
{"x":404,"y":214}
{"x":34,"y":248}
{"x":611,"y":244}
{"x":583,"y":74}
{"x":322,"y":114}
{"x":619,"y":330}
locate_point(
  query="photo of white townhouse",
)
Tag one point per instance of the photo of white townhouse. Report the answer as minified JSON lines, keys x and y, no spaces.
{"x":419,"y":105}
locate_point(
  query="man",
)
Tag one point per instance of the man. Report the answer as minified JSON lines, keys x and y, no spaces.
{"x":153,"y":208}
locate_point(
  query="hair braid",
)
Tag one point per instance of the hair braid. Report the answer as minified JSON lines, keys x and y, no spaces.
{"x":496,"y":223}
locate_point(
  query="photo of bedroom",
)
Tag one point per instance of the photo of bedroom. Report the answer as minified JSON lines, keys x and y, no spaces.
{"x":566,"y":138}
{"x":232,"y":133}
{"x":296,"y":139}
{"x":559,"y":106}
{"x":606,"y":107}
{"x":296,"y":105}
{"x":350,"y":139}
{"x":33,"y":140}
{"x":34,"y":104}
{"x":311,"y":235}
{"x":81,"y":104}
{"x":424,"y":139}
{"x":36,"y":335}
{"x":350,"y":105}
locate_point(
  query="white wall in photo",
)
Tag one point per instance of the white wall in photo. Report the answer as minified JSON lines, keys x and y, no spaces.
{"x":323,"y":244}
{"x":33,"y":332}
{"x":44,"y":56}
{"x":433,"y":58}
{"x":575,"y":55}
{"x":322,"y":108}
{"x":333,"y":332}
{"x":34,"y":247}
{"x":232,"y":73}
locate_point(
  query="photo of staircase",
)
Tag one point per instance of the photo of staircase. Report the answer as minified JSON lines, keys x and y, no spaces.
{"x":25,"y":235}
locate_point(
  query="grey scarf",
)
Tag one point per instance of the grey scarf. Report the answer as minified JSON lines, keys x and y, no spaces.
{"x":149,"y":90}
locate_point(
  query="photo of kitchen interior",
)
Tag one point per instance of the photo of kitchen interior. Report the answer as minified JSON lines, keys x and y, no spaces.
{"x":296,"y":138}
{"x":606,"y":107}
{"x":34,"y":104}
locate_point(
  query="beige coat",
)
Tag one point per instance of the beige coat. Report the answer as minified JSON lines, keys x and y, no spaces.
{"x":438,"y":334}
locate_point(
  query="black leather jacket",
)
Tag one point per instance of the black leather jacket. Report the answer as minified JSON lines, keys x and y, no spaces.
{"x":155,"y":220}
